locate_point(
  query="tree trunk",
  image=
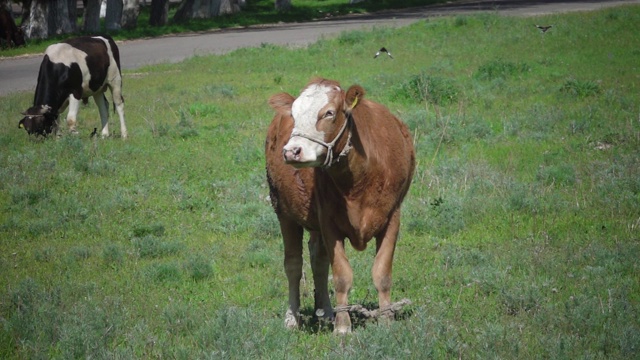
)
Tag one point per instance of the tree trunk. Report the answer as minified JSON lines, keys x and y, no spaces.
{"x":205,"y":9}
{"x":283,"y":5}
{"x":91,"y":18}
{"x":113,"y":17}
{"x":130,"y":12}
{"x":26,"y":11}
{"x":159,"y":12}
{"x":38,"y":20}
{"x":72,"y":5}
{"x":59,"y":17}
{"x":228,"y":7}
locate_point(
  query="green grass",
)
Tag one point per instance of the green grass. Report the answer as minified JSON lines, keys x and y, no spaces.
{"x":520,"y":234}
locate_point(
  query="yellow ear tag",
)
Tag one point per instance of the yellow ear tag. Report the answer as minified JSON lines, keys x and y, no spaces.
{"x":21,"y":126}
{"x":355,"y":101}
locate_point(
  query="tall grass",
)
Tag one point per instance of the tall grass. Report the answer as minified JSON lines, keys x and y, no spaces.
{"x":519,"y":235}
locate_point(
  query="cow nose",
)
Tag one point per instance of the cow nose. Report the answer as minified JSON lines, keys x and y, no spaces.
{"x":292,"y":154}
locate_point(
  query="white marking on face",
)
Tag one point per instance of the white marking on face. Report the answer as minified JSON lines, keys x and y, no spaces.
{"x":305,"y":111}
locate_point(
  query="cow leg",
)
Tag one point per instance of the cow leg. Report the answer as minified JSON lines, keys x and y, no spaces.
{"x":292,"y":235}
{"x":103,"y":108}
{"x":320,"y":269}
{"x":118,"y":100}
{"x":342,"y":281}
{"x":72,"y":115}
{"x":383,"y":263}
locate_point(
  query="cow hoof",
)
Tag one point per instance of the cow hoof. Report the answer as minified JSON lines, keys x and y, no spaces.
{"x":342,"y":330}
{"x":291,"y":320}
{"x":343,"y":324}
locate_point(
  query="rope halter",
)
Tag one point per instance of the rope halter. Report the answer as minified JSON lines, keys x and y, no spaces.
{"x":328,"y":161}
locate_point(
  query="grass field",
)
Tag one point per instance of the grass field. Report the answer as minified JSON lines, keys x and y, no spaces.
{"x":520,"y":235}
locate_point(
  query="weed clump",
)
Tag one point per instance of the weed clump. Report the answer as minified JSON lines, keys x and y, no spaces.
{"x":198,"y":268}
{"x":580,"y":88}
{"x":144,"y":230}
{"x":112,"y":255}
{"x":154,"y":247}
{"x":428,"y":88}
{"x":500,"y":69}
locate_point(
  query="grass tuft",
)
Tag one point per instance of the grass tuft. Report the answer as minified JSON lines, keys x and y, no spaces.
{"x":423,"y":87}
{"x":580,"y":88}
{"x":500,"y":69}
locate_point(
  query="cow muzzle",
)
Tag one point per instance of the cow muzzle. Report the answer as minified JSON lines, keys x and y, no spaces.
{"x":292,"y":155}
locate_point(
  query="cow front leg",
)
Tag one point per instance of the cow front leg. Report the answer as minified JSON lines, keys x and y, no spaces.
{"x":118,"y":100}
{"x":103,"y":109}
{"x":342,"y":282}
{"x":320,"y":269}
{"x":292,"y":236}
{"x":72,"y":115}
{"x":383,"y":265}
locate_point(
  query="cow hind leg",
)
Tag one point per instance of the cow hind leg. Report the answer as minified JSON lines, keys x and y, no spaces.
{"x":320,"y":269}
{"x":383,"y":265}
{"x":103,"y":108}
{"x":292,"y":236}
{"x":72,"y":115}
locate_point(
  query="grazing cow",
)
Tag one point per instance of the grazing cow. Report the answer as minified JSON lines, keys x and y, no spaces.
{"x":339,"y":166}
{"x":8,"y":29}
{"x":70,"y":72}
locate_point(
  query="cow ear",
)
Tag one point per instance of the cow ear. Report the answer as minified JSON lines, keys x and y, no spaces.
{"x":353,"y":97}
{"x":281,"y":102}
{"x":44,"y":109}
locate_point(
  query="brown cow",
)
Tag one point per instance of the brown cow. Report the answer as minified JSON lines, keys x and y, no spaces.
{"x":8,"y":29}
{"x":339,"y":166}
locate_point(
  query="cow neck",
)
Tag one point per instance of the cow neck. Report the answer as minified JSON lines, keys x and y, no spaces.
{"x":347,"y":126}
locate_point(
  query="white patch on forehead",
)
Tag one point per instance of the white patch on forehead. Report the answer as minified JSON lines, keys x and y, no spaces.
{"x":306,"y":107}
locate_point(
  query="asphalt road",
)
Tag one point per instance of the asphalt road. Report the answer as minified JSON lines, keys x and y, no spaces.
{"x":20,"y":74}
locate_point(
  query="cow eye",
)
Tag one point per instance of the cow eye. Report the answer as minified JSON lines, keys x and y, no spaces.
{"x":329,"y":113}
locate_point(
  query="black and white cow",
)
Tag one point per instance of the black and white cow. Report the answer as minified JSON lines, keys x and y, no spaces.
{"x":72,"y":71}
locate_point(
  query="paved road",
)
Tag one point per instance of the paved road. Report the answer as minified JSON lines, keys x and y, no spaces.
{"x":19,"y":74}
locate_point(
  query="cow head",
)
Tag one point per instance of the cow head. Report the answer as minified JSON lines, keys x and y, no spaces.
{"x":321,"y":117}
{"x":39,"y":120}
